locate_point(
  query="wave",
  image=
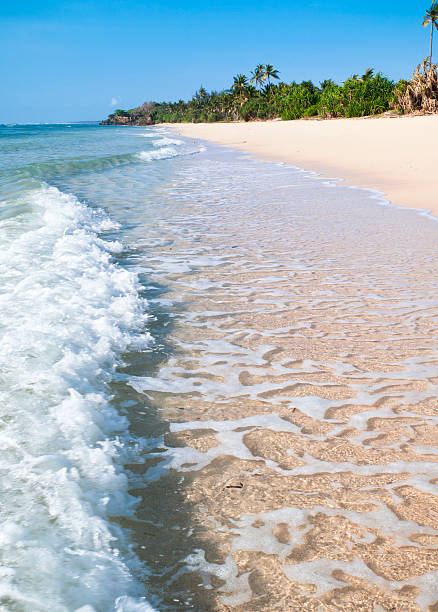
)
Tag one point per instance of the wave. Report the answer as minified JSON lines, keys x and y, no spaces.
{"x":166,"y":153}
{"x":162,"y":153}
{"x":166,"y":141}
{"x":154,"y":132}
{"x":67,"y":314}
{"x":54,"y":169}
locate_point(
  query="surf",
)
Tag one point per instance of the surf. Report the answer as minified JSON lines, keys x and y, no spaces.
{"x":68,"y":312}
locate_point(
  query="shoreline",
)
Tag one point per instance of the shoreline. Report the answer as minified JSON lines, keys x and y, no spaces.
{"x":392,"y":155}
{"x":301,"y":398}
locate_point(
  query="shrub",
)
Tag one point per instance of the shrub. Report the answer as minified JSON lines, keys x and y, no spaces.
{"x":311,"y":111}
{"x":367,"y":96}
{"x":250,"y":110}
{"x":299,"y":98}
{"x":330,"y":102}
{"x":420,"y":94}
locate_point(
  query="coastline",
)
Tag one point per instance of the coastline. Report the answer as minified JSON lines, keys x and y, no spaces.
{"x":301,"y":400}
{"x":269,"y":344}
{"x":393,"y":155}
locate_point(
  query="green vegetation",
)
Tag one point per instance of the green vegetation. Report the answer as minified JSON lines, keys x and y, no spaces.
{"x":421,"y":93}
{"x":264,"y":96}
{"x":259,"y":97}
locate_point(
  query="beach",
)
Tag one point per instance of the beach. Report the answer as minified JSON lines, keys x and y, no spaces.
{"x":219,"y":386}
{"x":394,"y":155}
{"x":313,"y":426}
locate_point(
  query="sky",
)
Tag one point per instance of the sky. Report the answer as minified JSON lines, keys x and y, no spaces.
{"x":80,"y":60}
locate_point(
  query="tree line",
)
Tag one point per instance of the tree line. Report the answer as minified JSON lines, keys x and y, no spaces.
{"x":262,"y":95}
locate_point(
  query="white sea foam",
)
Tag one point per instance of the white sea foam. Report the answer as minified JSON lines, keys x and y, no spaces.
{"x":162,"y":153}
{"x":153,"y":132}
{"x":166,"y":141}
{"x":67,"y":312}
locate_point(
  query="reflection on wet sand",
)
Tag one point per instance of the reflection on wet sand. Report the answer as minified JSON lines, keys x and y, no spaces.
{"x":302,"y":391}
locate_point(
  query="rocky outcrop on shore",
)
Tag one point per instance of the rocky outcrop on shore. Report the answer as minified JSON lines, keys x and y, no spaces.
{"x":136,"y":116}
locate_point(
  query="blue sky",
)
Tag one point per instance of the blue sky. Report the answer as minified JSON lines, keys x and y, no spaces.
{"x":78,"y":60}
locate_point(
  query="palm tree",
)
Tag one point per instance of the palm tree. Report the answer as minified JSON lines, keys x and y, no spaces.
{"x":326,"y":83}
{"x":431,"y":17}
{"x":258,"y":75}
{"x":367,"y":75}
{"x":240,"y":83}
{"x":271,"y":73}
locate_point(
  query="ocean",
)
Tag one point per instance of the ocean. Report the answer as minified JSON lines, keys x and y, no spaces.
{"x":218,"y":381}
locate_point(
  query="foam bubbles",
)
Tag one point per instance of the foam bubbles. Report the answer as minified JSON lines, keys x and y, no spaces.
{"x":67,"y":312}
{"x":162,"y":153}
{"x":167,"y":152}
{"x":166,"y":141}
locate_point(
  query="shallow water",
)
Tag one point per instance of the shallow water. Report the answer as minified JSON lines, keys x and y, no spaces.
{"x":218,"y":382}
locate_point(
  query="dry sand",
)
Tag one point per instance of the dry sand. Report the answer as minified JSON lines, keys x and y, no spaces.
{"x":395,"y":155}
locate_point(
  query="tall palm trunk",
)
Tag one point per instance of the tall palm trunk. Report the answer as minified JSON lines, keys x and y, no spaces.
{"x":431,"y":38}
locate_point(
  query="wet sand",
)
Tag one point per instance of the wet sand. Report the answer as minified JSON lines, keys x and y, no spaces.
{"x":301,"y":393}
{"x":395,"y":155}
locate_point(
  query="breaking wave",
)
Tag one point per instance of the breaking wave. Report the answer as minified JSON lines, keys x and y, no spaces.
{"x":67,"y":314}
{"x":162,"y":153}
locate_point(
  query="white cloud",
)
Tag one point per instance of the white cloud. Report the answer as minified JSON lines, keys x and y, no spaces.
{"x":114,"y":101}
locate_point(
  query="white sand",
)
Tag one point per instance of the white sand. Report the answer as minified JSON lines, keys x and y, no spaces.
{"x":395,"y":155}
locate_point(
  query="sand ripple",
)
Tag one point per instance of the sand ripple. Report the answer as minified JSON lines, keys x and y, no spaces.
{"x":302,"y":392}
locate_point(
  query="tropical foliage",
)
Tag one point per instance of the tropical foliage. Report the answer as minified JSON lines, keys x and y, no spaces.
{"x":263,"y":96}
{"x":431,"y":17}
{"x":421,"y":93}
